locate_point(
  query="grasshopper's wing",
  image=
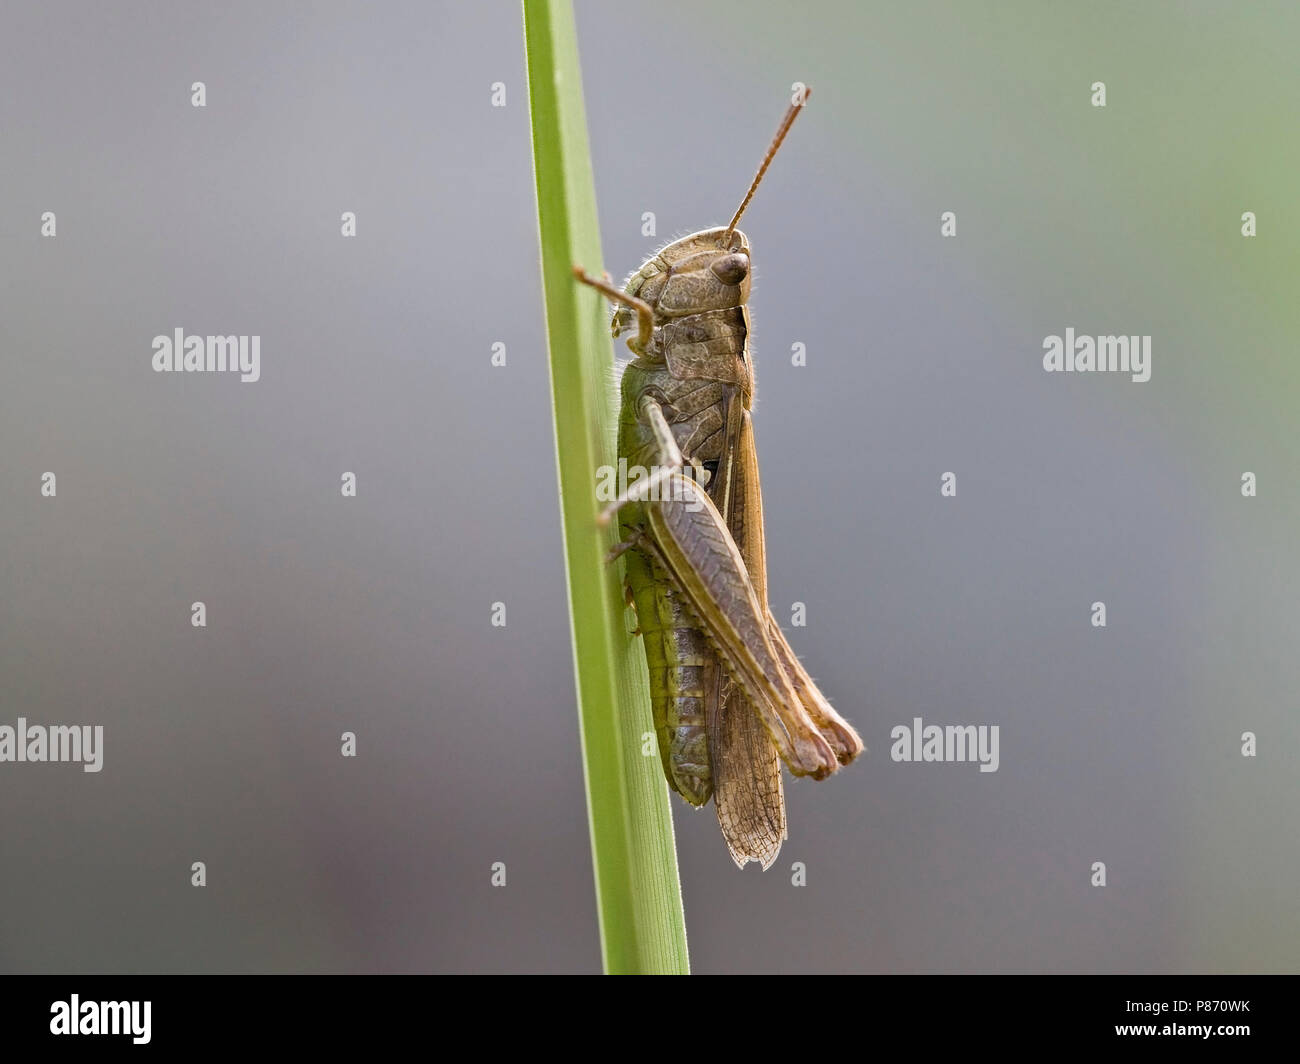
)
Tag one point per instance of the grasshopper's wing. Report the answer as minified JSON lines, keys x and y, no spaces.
{"x":746,"y":779}
{"x":746,"y":766}
{"x":746,"y":522}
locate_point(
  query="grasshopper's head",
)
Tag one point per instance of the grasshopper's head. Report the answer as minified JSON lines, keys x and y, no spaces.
{"x":708,"y":270}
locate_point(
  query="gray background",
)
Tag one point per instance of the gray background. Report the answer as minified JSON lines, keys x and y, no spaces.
{"x":372,"y":614}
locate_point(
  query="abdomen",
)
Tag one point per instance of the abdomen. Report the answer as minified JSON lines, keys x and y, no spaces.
{"x":681,"y":664}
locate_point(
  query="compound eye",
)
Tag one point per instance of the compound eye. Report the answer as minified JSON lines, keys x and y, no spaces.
{"x":731,"y":269}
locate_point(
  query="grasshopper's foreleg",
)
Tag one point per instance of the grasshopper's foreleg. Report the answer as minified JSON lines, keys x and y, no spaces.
{"x":645,"y":317}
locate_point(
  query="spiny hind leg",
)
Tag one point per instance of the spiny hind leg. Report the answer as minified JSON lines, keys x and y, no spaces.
{"x":695,"y":548}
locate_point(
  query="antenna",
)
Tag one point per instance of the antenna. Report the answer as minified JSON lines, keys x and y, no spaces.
{"x":790,"y":115}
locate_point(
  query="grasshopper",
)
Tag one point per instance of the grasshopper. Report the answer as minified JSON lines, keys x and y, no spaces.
{"x":729,"y":698}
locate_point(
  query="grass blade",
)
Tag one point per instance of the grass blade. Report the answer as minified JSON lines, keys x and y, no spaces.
{"x":638,"y":895}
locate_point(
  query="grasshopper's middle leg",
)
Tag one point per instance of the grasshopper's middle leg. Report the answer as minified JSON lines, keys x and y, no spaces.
{"x":668,"y":462}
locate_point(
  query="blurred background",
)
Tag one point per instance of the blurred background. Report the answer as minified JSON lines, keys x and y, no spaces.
{"x":372,"y":614}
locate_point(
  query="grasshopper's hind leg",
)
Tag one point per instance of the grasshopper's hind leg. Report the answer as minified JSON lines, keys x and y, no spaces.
{"x":837,"y":731}
{"x":690,"y":540}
